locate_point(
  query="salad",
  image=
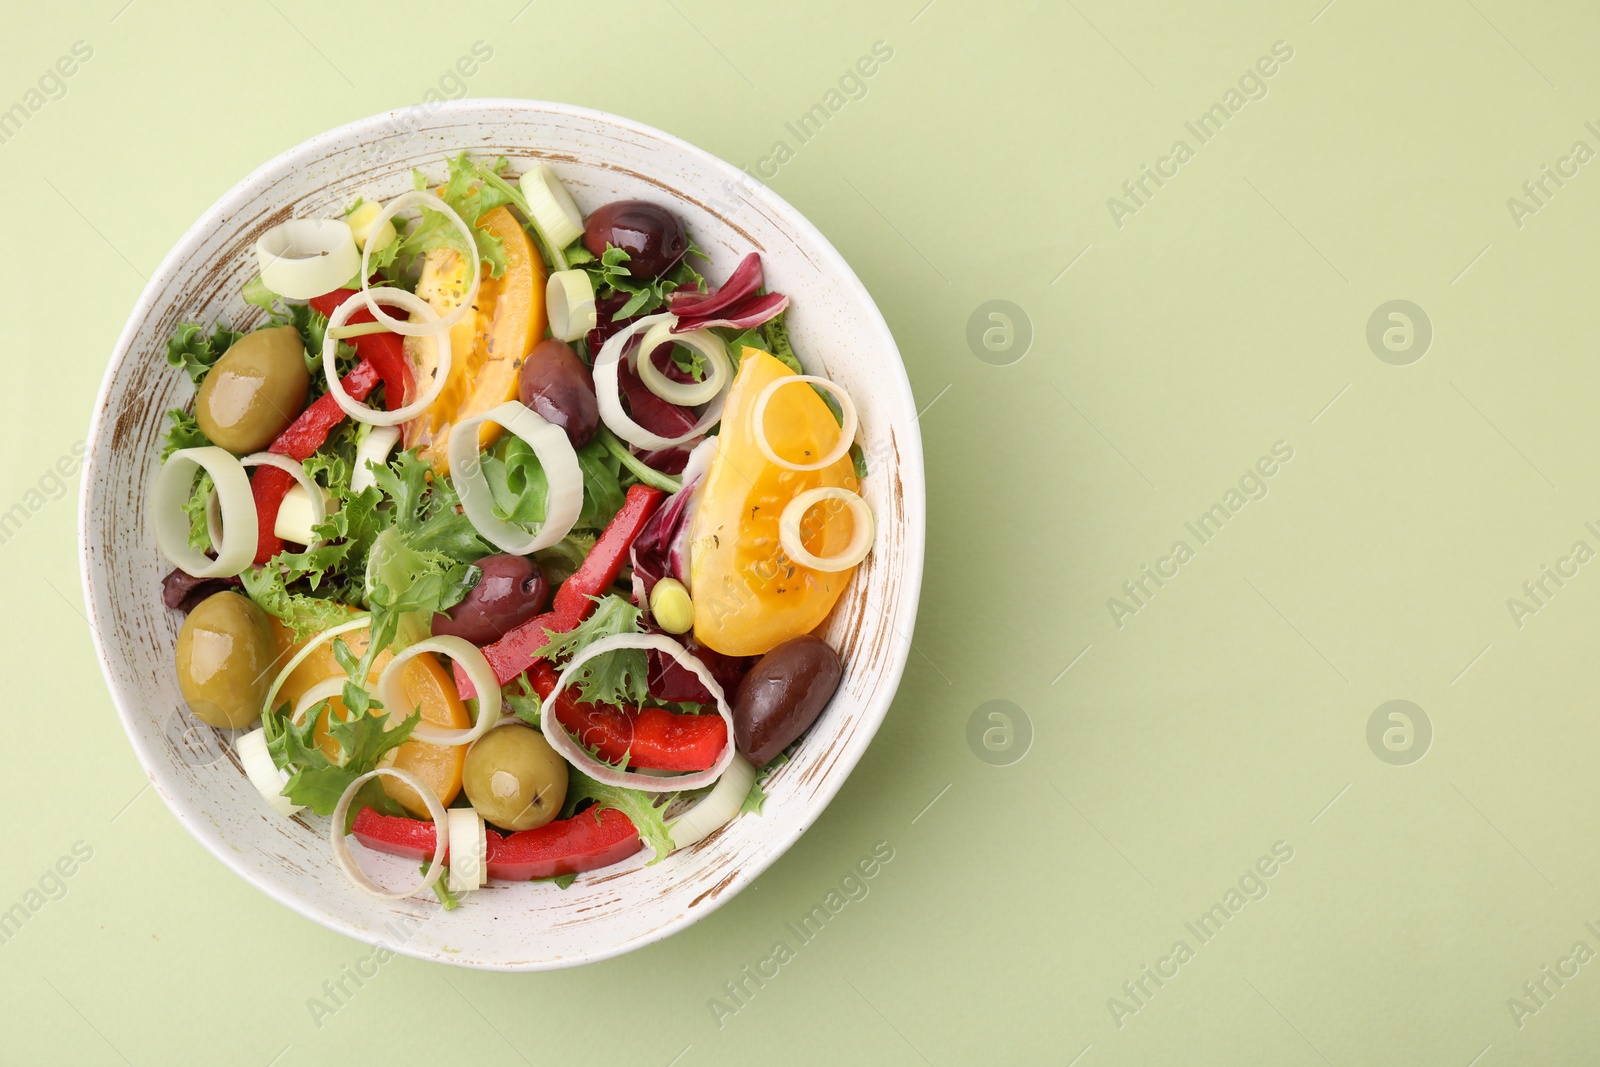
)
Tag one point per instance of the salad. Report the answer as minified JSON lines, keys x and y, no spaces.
{"x":503,"y":536}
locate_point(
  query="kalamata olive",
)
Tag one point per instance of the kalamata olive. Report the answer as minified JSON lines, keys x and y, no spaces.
{"x":254,"y":391}
{"x":782,"y":696}
{"x":650,"y":234}
{"x":226,"y":660}
{"x":559,"y":388}
{"x":511,"y":591}
{"x":514,"y":778}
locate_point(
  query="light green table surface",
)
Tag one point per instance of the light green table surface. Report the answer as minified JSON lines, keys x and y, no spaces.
{"x":1176,"y":740}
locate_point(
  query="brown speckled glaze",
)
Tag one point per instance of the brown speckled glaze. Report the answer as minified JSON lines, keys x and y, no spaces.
{"x":600,"y":157}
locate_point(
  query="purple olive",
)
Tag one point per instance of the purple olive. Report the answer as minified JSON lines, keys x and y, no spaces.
{"x":782,"y":696}
{"x":511,"y":591}
{"x":560,"y":389}
{"x":650,"y":234}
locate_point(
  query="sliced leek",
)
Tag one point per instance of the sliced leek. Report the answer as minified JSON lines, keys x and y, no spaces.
{"x":564,"y":499}
{"x":330,"y":347}
{"x":469,"y":850}
{"x":429,"y":327}
{"x":554,"y":212}
{"x":391,"y":689}
{"x":569,"y":300}
{"x":303,"y":258}
{"x":607,"y":386}
{"x":567,"y":746}
{"x":264,"y":774}
{"x":847,"y":431}
{"x":719,"y":369}
{"x":341,"y":844}
{"x":357,"y":621}
{"x":236,"y":544}
{"x":717,"y":808}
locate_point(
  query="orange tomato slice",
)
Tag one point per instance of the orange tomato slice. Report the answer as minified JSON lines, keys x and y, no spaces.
{"x":427,"y":687}
{"x":488,"y":344}
{"x":748,"y":595}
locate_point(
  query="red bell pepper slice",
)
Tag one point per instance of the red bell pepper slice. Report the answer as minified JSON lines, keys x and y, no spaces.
{"x":385,"y":351}
{"x":396,"y":835}
{"x":586,"y":842}
{"x":518,"y":649}
{"x":652,"y":738}
{"x":303,"y":437}
{"x":383,"y":358}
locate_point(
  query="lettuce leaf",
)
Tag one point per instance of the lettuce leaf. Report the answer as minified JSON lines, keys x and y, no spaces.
{"x":184,"y":432}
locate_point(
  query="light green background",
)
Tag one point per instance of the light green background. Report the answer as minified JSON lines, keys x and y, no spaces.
{"x":1230,"y":713}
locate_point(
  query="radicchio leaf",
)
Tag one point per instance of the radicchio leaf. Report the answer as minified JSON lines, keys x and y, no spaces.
{"x":745,"y":281}
{"x":746,"y":315}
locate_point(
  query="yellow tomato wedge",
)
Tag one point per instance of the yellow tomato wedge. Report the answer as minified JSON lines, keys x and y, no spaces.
{"x":427,"y":686}
{"x":748,"y":595}
{"x":487,"y":345}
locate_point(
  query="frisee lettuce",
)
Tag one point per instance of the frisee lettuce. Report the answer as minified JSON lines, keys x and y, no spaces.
{"x":196,"y":351}
{"x":471,"y":198}
{"x":184,"y":432}
{"x":620,"y":677}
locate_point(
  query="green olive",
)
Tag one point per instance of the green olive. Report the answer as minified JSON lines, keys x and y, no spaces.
{"x":514,"y":778}
{"x":226,"y":660}
{"x":254,"y":391}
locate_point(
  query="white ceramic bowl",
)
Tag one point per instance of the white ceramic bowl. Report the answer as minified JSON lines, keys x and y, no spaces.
{"x":837,"y":331}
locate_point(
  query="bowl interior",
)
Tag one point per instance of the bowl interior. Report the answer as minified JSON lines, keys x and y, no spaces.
{"x":837,"y":331}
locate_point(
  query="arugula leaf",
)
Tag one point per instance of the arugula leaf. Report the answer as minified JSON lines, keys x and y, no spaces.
{"x":620,"y":677}
{"x":640,"y":807}
{"x":610,"y":274}
{"x":184,"y":432}
{"x":195,"y":351}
